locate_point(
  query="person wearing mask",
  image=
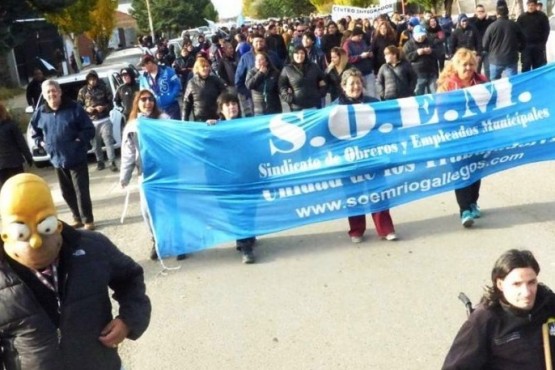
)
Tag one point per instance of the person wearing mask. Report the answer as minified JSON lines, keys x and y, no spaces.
{"x":144,"y":105}
{"x":339,"y":63}
{"x":302,"y":83}
{"x":505,"y":330}
{"x":64,"y":130}
{"x":396,"y":79}
{"x":421,"y":51}
{"x":502,"y":42}
{"x":535,"y":26}
{"x":126,"y":92}
{"x":481,"y":22}
{"x":13,"y":147}
{"x":199,"y":100}
{"x":56,"y":284}
{"x":163,"y":82}
{"x":96,"y":98}
{"x":228,"y":108}
{"x":361,"y":57}
{"x":352,"y":83}
{"x":461,"y":73}
{"x":262,"y":81}
{"x":32,"y":93}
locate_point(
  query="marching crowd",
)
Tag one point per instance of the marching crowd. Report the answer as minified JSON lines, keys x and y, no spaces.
{"x":252,"y":71}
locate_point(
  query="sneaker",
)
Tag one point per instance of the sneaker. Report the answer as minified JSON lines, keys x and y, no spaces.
{"x":153,"y":254}
{"x":356,"y":239}
{"x":467,"y":219}
{"x":475,"y":209}
{"x":90,"y":226}
{"x":77,"y":224}
{"x":100,"y":166}
{"x":248,"y":256}
{"x":391,"y":237}
{"x":113,"y":167}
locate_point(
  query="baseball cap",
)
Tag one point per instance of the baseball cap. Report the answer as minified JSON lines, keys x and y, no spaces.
{"x":418,"y":31}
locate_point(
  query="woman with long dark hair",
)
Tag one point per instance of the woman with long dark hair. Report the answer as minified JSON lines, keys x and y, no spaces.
{"x":302,"y":83}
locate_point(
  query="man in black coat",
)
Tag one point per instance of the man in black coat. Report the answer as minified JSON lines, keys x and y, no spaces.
{"x":502,"y":41}
{"x":535,"y":25}
{"x":481,"y":21}
{"x":54,"y":288}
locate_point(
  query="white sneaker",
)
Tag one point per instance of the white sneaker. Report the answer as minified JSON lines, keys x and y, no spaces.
{"x":391,"y":237}
{"x":356,"y":239}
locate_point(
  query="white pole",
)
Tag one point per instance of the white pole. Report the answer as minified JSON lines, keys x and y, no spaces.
{"x":150,"y":21}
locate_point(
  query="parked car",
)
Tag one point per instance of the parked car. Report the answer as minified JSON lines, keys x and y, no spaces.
{"x":550,"y":46}
{"x":70,"y":86}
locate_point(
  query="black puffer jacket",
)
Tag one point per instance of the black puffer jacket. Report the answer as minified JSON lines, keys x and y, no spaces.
{"x":468,"y":37}
{"x":333,"y":79}
{"x":89,"y":265}
{"x":13,"y":147}
{"x":200,"y":98}
{"x":264,"y":90}
{"x":424,"y":65}
{"x":395,"y":82}
{"x":499,"y":338}
{"x":299,"y":86}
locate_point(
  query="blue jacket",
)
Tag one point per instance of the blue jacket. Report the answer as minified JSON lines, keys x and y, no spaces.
{"x":66,"y":133}
{"x":166,"y":86}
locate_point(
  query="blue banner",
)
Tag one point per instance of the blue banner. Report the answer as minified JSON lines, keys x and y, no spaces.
{"x":205,"y":185}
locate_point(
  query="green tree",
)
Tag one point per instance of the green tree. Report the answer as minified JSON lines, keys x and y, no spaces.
{"x":277,"y":8}
{"x":103,"y":23}
{"x":173,"y":16}
{"x":73,"y":21}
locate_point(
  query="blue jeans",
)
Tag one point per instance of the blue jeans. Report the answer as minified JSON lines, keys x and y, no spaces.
{"x":496,"y":70}
{"x":425,"y":85}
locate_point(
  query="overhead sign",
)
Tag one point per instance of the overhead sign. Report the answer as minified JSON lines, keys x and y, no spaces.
{"x":339,"y":11}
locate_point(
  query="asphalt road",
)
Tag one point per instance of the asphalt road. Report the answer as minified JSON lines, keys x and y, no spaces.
{"x":314,"y":300}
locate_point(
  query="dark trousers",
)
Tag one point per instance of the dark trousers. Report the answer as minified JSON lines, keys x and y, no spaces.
{"x":382,"y":221}
{"x":467,"y":196}
{"x":74,"y":183}
{"x":173,"y":111}
{"x":6,"y":173}
{"x":533,"y":56}
{"x":484,"y":62}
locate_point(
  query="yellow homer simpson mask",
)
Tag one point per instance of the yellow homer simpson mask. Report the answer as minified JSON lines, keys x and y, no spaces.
{"x":30,"y":227}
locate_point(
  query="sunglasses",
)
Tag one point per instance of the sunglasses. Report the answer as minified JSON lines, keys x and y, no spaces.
{"x":144,"y":99}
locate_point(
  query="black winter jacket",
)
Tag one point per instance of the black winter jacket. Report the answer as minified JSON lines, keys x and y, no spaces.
{"x":424,"y":65}
{"x":299,"y":86}
{"x":89,"y":265}
{"x":502,"y":41}
{"x":201,"y":97}
{"x":264,"y":90}
{"x":468,"y":37}
{"x":333,"y":79}
{"x":13,"y":147}
{"x":535,"y":27}
{"x":395,"y":82}
{"x":499,"y":338}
